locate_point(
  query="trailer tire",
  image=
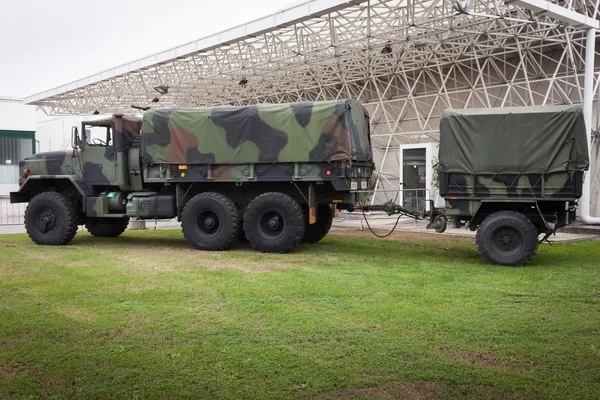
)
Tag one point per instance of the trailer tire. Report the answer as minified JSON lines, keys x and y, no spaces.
{"x":507,"y":238}
{"x":51,"y":219}
{"x":106,"y":227}
{"x":317,"y":231}
{"x":274,"y":223}
{"x":210,"y":221}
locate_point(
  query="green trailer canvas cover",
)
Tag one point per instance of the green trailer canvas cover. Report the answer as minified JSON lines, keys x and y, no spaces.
{"x":523,"y":140}
{"x":266,"y":133}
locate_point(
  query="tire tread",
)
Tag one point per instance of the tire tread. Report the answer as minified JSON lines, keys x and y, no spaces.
{"x":231,"y":210}
{"x":71,"y":220}
{"x":296,"y":210}
{"x":481,"y":245}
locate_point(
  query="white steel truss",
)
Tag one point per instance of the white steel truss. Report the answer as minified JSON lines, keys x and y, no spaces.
{"x":406,"y":60}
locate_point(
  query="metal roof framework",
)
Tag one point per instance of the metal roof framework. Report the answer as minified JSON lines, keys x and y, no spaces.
{"x":406,"y":60}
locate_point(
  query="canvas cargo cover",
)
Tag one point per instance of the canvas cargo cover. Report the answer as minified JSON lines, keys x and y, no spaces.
{"x":267,"y":133}
{"x":525,"y":140}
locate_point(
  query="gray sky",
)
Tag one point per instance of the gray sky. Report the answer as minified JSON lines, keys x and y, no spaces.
{"x":44,"y":44}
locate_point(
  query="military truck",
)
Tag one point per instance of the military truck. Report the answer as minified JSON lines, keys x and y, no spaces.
{"x":272,"y":172}
{"x":512,"y":174}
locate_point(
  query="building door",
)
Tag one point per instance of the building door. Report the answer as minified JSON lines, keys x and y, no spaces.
{"x":414,"y":178}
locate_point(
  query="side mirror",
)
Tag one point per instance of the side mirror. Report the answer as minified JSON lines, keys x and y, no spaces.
{"x":75,"y":140}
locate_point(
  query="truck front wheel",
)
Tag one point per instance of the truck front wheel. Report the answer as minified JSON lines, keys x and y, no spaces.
{"x":51,"y":219}
{"x":507,"y":238}
{"x":106,"y":227}
{"x":210,"y":221}
{"x":274,"y":223}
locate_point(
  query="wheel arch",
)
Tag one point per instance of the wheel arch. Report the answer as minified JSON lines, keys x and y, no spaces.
{"x":488,"y":208}
{"x":35,"y":185}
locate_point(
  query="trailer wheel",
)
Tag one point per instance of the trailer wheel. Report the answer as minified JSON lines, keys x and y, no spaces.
{"x":507,"y":238}
{"x":51,"y":219}
{"x":106,"y":227}
{"x":319,"y":229}
{"x":210,"y":221}
{"x":274,"y":223}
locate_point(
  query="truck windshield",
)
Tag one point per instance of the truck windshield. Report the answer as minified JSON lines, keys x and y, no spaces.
{"x":98,"y":135}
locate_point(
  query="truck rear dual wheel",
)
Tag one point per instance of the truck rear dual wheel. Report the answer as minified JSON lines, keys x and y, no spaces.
{"x":317,"y":231}
{"x":274,"y":223}
{"x":51,"y":219}
{"x":106,"y":227}
{"x":507,"y":238}
{"x":210,"y":221}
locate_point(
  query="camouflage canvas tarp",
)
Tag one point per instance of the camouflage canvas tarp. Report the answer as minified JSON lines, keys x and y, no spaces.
{"x":525,"y":140}
{"x":267,"y":133}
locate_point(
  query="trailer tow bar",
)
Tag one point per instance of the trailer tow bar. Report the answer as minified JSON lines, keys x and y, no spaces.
{"x":437,"y":222}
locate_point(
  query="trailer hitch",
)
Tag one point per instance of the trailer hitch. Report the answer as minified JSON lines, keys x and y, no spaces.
{"x":437,"y":221}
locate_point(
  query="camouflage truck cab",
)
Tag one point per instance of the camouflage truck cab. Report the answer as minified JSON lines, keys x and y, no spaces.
{"x":512,"y":174}
{"x":272,"y":172}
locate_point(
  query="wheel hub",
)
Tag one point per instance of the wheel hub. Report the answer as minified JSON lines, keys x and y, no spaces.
{"x":507,"y":239}
{"x":271,"y":225}
{"x":274,"y":222}
{"x":209,"y":222}
{"x":46,"y":220}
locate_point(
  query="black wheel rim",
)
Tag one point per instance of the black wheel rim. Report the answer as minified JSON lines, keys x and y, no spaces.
{"x":46,"y":221}
{"x":271,"y":225}
{"x":208,"y":223}
{"x":507,"y":239}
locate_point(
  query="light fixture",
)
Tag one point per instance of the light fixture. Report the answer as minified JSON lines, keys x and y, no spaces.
{"x":96,"y":112}
{"x":155,"y":100}
{"x":162,"y":89}
{"x":140,"y":107}
{"x":387,"y":49}
{"x":243,"y":82}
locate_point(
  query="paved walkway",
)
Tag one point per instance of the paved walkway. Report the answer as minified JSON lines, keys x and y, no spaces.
{"x":385,"y":222}
{"x":356,"y":221}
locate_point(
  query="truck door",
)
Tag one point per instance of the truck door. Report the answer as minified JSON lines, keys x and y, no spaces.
{"x":98,"y":155}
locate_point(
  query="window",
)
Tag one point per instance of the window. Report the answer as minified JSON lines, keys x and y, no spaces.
{"x":13,"y":150}
{"x":98,"y":135}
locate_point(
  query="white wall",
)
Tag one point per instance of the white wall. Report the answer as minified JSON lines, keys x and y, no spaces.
{"x":8,"y":173}
{"x":54,"y":133}
{"x":16,"y":116}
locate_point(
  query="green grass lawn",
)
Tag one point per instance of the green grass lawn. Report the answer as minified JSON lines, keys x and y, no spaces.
{"x":144,"y":316}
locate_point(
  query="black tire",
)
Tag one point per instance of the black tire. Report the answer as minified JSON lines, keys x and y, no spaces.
{"x":106,"y":227}
{"x":317,"y":231}
{"x":507,"y":238}
{"x":274,"y":223}
{"x":51,"y":219}
{"x":210,"y":221}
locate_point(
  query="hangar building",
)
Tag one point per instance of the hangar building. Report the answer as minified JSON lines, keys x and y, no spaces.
{"x":406,"y":60}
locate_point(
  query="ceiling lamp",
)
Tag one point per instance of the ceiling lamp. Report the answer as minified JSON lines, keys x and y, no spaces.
{"x":162,"y":89}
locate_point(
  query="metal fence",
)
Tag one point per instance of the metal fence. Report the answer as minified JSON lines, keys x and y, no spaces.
{"x":11,"y":214}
